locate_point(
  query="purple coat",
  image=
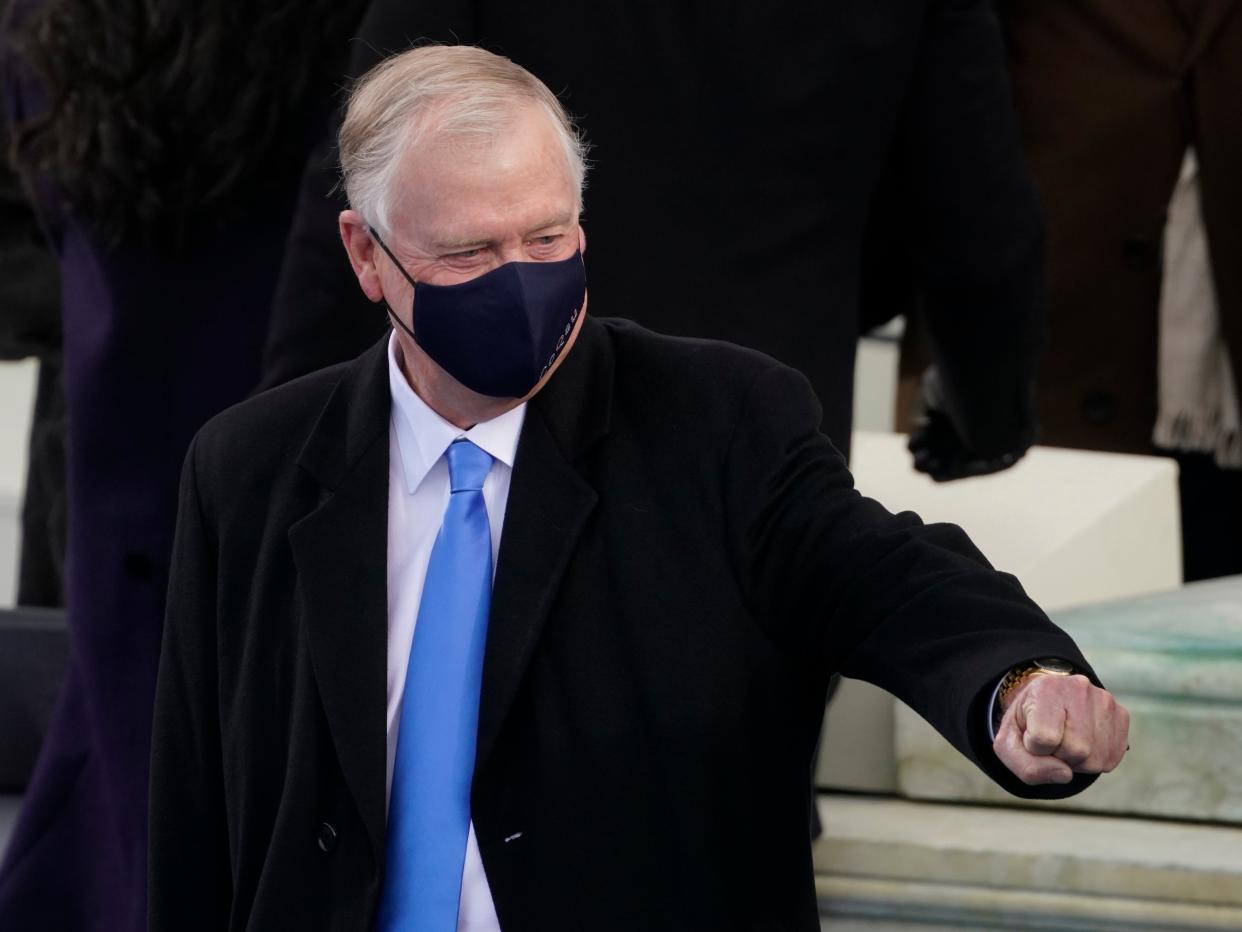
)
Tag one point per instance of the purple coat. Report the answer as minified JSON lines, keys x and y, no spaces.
{"x":152,"y":348}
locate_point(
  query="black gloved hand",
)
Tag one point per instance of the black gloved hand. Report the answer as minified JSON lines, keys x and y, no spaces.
{"x":937,"y":439}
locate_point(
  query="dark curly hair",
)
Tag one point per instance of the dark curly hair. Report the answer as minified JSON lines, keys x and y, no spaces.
{"x":167,"y":114}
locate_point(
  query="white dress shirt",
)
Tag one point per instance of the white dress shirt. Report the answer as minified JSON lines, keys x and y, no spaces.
{"x":418,"y":494}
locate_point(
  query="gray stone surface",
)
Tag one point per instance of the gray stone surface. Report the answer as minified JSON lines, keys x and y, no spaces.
{"x":8,"y":815}
{"x":1175,"y":660}
{"x":1184,"y":644}
{"x":835,"y":924}
{"x":970,"y":866}
{"x":34,"y":649}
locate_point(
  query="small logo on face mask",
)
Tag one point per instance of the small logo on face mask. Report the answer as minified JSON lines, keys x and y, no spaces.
{"x":560,"y":343}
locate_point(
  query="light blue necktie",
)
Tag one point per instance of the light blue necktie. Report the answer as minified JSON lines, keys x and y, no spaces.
{"x":429,"y":806}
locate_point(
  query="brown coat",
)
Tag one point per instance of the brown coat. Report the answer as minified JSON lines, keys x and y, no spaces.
{"x":1111,"y":93}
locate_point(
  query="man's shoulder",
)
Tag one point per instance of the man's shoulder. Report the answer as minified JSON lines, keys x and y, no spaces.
{"x":693,"y":359}
{"x":697,"y":374}
{"x":275,"y":422}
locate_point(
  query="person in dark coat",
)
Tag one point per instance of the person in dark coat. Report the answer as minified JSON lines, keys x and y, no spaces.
{"x":774,"y":123}
{"x":1111,"y":95}
{"x":158,"y":137}
{"x":1164,"y":77}
{"x":616,"y":733}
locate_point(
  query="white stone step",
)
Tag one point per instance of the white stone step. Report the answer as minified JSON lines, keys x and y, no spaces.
{"x":982,"y":867}
{"x":1175,"y":660}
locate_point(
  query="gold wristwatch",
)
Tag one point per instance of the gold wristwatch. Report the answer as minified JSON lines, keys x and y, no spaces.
{"x":1049,"y":666}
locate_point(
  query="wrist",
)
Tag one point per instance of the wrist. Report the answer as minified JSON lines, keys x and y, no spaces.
{"x":1016,"y":680}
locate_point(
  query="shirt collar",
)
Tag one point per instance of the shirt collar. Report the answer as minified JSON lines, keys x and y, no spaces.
{"x":423,"y":436}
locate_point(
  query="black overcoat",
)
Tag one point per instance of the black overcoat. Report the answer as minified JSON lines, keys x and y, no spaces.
{"x":683,"y":564}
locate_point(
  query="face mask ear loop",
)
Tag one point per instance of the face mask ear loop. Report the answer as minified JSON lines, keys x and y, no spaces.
{"x":400,"y":268}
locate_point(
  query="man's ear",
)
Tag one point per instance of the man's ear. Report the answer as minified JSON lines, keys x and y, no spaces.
{"x":581,"y":239}
{"x":363,"y":254}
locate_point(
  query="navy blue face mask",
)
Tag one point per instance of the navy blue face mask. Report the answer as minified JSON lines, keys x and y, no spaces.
{"x":498,"y":334}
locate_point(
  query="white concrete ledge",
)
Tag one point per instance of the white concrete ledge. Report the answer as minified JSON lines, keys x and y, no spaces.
{"x":916,"y":906}
{"x":17,"y":391}
{"x":1175,"y":660}
{"x":1006,"y":868}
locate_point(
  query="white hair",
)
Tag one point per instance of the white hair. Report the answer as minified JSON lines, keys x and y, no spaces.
{"x":453,"y":90}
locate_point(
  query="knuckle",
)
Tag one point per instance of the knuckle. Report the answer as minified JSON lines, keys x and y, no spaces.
{"x":1048,"y":684}
{"x":1041,"y":737}
{"x":1074,"y":752}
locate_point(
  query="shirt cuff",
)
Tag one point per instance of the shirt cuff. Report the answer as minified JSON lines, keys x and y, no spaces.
{"x":996,"y":691}
{"x":992,"y":708}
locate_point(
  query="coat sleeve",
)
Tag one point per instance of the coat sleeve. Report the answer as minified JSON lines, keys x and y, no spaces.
{"x":974,"y":224}
{"x":190,"y":885}
{"x":914,"y":608}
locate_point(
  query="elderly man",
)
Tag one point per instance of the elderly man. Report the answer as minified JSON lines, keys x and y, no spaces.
{"x":523,"y":619}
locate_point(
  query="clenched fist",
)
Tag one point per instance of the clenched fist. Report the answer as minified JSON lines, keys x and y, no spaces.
{"x":1057,"y":726}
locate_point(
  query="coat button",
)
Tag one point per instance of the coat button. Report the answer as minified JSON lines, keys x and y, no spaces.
{"x":138,"y":566}
{"x":1099,"y":407}
{"x":327,"y":838}
{"x":1140,"y":253}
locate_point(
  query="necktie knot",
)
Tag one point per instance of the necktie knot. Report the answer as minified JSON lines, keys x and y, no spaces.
{"x":468,"y":466}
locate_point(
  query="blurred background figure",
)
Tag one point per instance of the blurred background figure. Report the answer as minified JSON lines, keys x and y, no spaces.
{"x":1113,"y":95}
{"x":776,"y":124}
{"x":1198,"y":417}
{"x":163,"y":139}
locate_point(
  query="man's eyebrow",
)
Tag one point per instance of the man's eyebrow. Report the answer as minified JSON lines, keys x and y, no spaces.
{"x":562,"y":220}
{"x":450,"y":245}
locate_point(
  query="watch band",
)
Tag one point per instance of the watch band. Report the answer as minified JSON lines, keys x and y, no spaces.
{"x":1046,"y":666}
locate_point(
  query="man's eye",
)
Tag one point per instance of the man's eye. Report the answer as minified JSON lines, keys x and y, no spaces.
{"x":549,"y":240}
{"x":465,"y":254}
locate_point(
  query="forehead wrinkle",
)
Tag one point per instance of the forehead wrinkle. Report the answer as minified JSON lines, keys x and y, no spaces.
{"x":475,"y":193}
{"x":474,"y":242}
{"x":464,"y":243}
{"x":488,"y":183}
{"x":559,"y":220}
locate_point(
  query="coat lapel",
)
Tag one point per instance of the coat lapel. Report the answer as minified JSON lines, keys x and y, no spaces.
{"x":549,"y":504}
{"x":340,"y":550}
